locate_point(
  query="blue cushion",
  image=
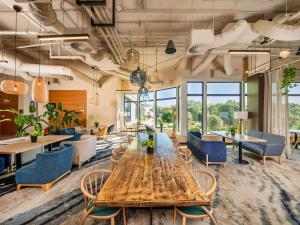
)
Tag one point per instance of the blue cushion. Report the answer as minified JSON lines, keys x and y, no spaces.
{"x":192,"y":210}
{"x":254,"y":133}
{"x":104,"y":211}
{"x":2,"y":164}
{"x":254,"y":147}
{"x":67,"y":131}
{"x":274,"y":138}
{"x":76,"y":137}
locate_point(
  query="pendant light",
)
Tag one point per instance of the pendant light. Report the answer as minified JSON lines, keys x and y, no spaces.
{"x":14,"y":87}
{"x":170,"y":49}
{"x":39,"y":91}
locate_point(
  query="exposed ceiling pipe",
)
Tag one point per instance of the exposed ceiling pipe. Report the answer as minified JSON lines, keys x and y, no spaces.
{"x":45,"y":69}
{"x":22,"y":33}
{"x":228,"y":65}
{"x":91,"y":14}
{"x":24,"y":75}
{"x":202,"y":66}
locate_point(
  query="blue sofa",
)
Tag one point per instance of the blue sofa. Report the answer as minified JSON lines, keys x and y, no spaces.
{"x":4,"y":162}
{"x":70,"y":131}
{"x":210,"y":152}
{"x":46,"y":169}
{"x":272,"y":148}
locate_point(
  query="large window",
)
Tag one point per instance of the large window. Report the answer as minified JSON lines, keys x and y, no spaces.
{"x":166,"y":107}
{"x":223,"y":99}
{"x":294,"y":107}
{"x":147,"y":109}
{"x":130,"y":108}
{"x":194,"y":106}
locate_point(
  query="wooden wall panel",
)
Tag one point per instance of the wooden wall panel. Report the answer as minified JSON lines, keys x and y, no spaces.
{"x":72,"y":100}
{"x":8,"y":128}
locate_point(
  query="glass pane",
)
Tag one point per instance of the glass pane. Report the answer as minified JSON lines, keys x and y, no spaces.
{"x":147,"y":113}
{"x":166,"y":112}
{"x":167,"y":93}
{"x":150,"y":97}
{"x":295,"y":90}
{"x":194,"y":88}
{"x":131,"y":112}
{"x":223,"y":88}
{"x":220,"y":112}
{"x":194,"y":107}
{"x":294,"y":112}
{"x":246,"y":88}
{"x":130,"y":97}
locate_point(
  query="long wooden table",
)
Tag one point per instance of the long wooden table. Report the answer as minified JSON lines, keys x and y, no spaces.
{"x":239,"y":138}
{"x":151,"y":180}
{"x":25,"y":145}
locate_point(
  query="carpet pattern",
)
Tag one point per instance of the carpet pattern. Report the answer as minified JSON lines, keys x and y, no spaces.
{"x":246,"y":195}
{"x":103,"y":150}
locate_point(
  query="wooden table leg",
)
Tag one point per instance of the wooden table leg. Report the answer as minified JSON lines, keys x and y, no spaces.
{"x":151,"y":214}
{"x":18,"y":161}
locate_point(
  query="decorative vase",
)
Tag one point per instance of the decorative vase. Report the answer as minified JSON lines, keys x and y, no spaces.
{"x":33,"y":139}
{"x":150,"y":150}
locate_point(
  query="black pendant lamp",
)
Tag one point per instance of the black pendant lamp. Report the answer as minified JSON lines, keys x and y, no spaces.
{"x":170,"y":49}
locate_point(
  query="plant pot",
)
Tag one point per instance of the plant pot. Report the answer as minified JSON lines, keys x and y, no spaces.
{"x":33,"y":139}
{"x":150,"y":150}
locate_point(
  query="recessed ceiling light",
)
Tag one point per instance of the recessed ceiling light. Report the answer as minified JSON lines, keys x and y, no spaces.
{"x":249,"y":52}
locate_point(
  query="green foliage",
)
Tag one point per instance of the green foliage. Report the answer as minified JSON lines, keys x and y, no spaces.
{"x":36,"y":133}
{"x":232,"y":130}
{"x":289,"y":75}
{"x":214,"y":122}
{"x":24,"y":122}
{"x":167,"y":115}
{"x":60,"y":117}
{"x":294,"y":116}
{"x":160,"y":121}
{"x":148,"y":143}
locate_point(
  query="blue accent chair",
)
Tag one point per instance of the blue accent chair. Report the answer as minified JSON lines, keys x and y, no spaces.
{"x":210,"y":152}
{"x":70,"y":131}
{"x":46,"y":169}
{"x":110,"y":129}
{"x":272,"y":148}
{"x":5,"y":161}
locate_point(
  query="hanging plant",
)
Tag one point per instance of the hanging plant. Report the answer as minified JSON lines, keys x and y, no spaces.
{"x":288,"y":80}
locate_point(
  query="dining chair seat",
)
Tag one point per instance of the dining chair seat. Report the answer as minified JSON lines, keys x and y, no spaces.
{"x":192,"y":210}
{"x":105,"y":211}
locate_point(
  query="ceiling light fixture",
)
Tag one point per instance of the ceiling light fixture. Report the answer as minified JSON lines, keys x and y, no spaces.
{"x":14,"y":87}
{"x":249,"y":52}
{"x":284,"y":53}
{"x":64,"y":37}
{"x":170,"y":49}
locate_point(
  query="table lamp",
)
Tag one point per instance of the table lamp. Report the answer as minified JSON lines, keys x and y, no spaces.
{"x":241,"y":116}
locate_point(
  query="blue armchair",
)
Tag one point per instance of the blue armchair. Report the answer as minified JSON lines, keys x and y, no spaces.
{"x":5,"y":160}
{"x":46,"y":169}
{"x":70,"y":131}
{"x":110,"y":129}
{"x":210,"y":152}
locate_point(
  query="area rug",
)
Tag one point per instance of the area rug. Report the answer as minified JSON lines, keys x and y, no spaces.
{"x":103,"y":150}
{"x":246,"y":195}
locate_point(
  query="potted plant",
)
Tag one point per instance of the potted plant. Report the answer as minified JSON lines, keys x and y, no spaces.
{"x":34,"y":135}
{"x":232,"y":130}
{"x":150,"y":145}
{"x":289,"y":76}
{"x":59,"y":117}
{"x":96,"y":124}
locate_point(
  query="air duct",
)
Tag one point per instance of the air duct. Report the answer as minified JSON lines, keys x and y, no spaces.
{"x":202,"y":66}
{"x":278,"y":32}
{"x":228,"y":65}
{"x":46,"y":15}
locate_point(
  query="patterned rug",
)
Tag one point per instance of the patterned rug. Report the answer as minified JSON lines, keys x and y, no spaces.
{"x":246,"y":195}
{"x":103,"y":151}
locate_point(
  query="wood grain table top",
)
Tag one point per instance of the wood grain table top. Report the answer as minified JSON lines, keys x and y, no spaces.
{"x":151,"y":180}
{"x":25,"y":144}
{"x":238,"y":137}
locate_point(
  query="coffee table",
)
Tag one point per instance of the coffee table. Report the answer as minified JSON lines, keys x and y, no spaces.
{"x":239,"y":138}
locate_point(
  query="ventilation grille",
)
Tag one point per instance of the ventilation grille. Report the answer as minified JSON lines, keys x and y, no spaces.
{"x":83,"y":47}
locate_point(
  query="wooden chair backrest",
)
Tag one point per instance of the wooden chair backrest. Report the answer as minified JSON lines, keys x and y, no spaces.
{"x":91,"y":184}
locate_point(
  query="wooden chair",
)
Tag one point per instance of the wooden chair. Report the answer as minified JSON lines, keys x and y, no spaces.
{"x":186,"y":155}
{"x":102,"y":132}
{"x":116,"y":156}
{"x":91,"y":185}
{"x":207,"y":184}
